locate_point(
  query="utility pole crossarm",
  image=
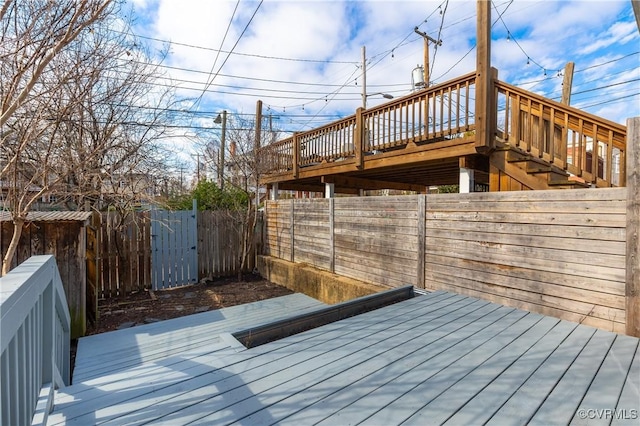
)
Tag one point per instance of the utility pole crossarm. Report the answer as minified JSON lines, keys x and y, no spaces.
{"x":426,"y":36}
{"x":427,"y":39}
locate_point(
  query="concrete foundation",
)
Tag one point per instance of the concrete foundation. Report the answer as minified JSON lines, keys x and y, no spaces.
{"x":322,"y":285}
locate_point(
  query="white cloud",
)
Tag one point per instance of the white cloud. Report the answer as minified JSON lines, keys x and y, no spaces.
{"x":333,"y":32}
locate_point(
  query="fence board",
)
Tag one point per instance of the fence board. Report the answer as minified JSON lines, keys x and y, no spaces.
{"x":220,"y":244}
{"x":123,"y":254}
{"x":559,"y":253}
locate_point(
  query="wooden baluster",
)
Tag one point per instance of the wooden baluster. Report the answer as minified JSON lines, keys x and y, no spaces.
{"x":433,"y":115}
{"x":358,"y":138}
{"x":296,"y":155}
{"x":564,"y":142}
{"x":441,"y":112}
{"x":529,"y":129}
{"x":507,"y":111}
{"x":450,"y":102}
{"x":466,"y":107}
{"x":458,"y":90}
{"x":582,"y":151}
{"x":609,"y":156}
{"x":594,"y":154}
{"x":516,"y":116}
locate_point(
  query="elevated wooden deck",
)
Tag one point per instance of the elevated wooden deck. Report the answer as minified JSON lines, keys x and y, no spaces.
{"x":425,"y":138}
{"x":438,"y":358}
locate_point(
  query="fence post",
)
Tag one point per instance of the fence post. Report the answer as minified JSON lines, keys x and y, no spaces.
{"x":632,"y":288}
{"x":291,"y":235}
{"x":332,"y":246}
{"x":422,"y":203}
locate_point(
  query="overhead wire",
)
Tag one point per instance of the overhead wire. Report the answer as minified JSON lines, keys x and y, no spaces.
{"x":234,"y":46}
{"x":215,"y":61}
{"x":435,"y":49}
{"x":252,"y":55}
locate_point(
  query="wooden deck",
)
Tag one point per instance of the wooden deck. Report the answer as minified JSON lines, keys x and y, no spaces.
{"x":425,"y":138}
{"x":438,"y":358}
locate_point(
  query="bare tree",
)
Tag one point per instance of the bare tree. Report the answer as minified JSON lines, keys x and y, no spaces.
{"x":33,"y":34}
{"x":79,"y":112}
{"x":113,"y":150}
{"x":242,"y":173}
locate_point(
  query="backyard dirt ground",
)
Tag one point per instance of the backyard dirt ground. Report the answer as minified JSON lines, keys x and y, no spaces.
{"x":151,"y":306}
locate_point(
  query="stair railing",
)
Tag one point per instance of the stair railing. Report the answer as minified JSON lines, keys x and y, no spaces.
{"x":583,"y":144}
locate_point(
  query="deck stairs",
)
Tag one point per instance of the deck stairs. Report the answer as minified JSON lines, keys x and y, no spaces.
{"x":533,"y":171}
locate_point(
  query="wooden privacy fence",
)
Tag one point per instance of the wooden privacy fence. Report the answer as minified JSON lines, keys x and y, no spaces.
{"x":220,"y":243}
{"x":65,"y":236}
{"x":124,"y":259}
{"x":560,"y":253}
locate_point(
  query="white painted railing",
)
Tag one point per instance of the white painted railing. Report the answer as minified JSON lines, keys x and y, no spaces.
{"x":34,"y":341}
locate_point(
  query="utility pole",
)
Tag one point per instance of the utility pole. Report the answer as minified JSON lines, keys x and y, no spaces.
{"x":364,"y":77}
{"x":256,"y":148}
{"x":198,"y":167}
{"x":222,"y":147}
{"x":567,"y":82}
{"x":427,"y":39}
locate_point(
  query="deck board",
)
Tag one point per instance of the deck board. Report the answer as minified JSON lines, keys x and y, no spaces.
{"x":435,"y":358}
{"x":523,"y":404}
{"x":121,"y":349}
{"x":352,"y":361}
{"x":607,"y":385}
{"x":218,"y":392}
{"x":630,"y":393}
{"x":312,"y":404}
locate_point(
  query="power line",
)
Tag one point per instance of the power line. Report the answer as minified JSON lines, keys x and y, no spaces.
{"x":252,"y":55}
{"x":610,"y":101}
{"x":435,"y":49}
{"x":511,"y":37}
{"x":215,"y":61}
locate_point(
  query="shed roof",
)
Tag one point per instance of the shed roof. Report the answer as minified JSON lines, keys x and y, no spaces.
{"x":52,"y":216}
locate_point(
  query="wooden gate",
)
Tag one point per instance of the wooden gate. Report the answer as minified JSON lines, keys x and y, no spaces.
{"x":174,"y":248}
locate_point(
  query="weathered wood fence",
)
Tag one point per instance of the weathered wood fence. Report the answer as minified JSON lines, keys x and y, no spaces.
{"x":63,"y":235}
{"x":220,"y":243}
{"x":123,"y":260}
{"x":123,"y":256}
{"x":561,"y":253}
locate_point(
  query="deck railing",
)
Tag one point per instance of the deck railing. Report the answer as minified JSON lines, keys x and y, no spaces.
{"x":578,"y":142}
{"x":443,"y":111}
{"x":439,"y":112}
{"x":562,"y":135}
{"x":35,"y":339}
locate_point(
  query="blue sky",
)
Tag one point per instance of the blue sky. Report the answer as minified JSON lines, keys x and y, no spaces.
{"x":303,"y":58}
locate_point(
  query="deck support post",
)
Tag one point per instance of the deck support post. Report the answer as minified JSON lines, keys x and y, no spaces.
{"x":632,"y":288}
{"x":329,"y":190}
{"x":273,"y":191}
{"x":467,"y":180}
{"x":484,"y":80}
